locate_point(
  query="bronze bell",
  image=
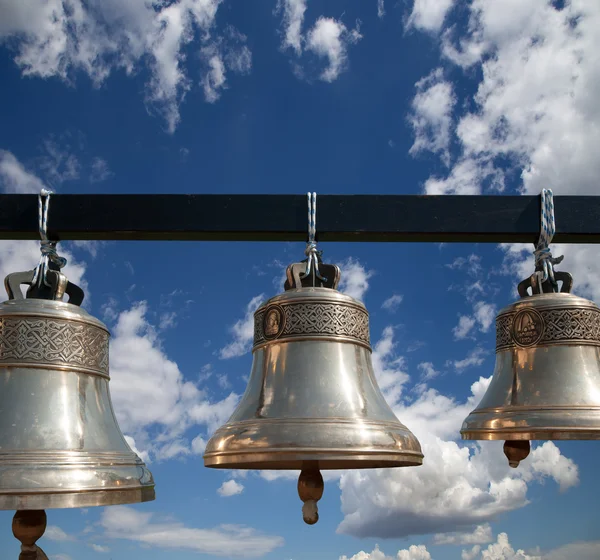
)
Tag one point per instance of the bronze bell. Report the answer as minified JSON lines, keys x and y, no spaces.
{"x":60,"y":444}
{"x":546,"y":383}
{"x":312,"y":400}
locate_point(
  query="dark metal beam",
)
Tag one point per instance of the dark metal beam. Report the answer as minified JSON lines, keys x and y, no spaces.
{"x":241,"y":217}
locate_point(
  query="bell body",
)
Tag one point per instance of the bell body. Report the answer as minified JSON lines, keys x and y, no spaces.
{"x":546,"y":383}
{"x":60,"y":444}
{"x":312,"y":400}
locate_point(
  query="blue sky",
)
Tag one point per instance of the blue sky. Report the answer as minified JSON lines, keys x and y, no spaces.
{"x":207,"y":96}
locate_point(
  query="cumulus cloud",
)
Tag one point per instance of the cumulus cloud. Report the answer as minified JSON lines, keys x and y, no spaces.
{"x":57,"y":39}
{"x":431,"y":115}
{"x":328,"y":38}
{"x":230,"y":488}
{"x":583,"y":261}
{"x":474,"y":358}
{"x":354,"y":278}
{"x":482,"y":534}
{"x":100,"y":171}
{"x":429,"y":15}
{"x":292,"y":20}
{"x":502,"y":550}
{"x":243,"y":331}
{"x":55,"y":533}
{"x":392,"y":303}
{"x":414,"y":552}
{"x":124,"y":522}
{"x":15,"y":178}
{"x":534,"y":111}
{"x":458,"y":488}
{"x":153,"y":402}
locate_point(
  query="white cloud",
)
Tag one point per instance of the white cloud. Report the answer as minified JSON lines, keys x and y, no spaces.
{"x":474,"y":358}
{"x":14,"y":178}
{"x":389,"y":368}
{"x":55,"y":533}
{"x":354,"y":278}
{"x":535,"y":109}
{"x":472,"y":264}
{"x":431,"y":115}
{"x":485,"y":314}
{"x":60,"y":557}
{"x":503,"y":550}
{"x":55,"y":39}
{"x":470,"y":554}
{"x":428,"y":372}
{"x":380,"y":8}
{"x":330,"y":38}
{"x":153,"y":402}
{"x":243,"y":332}
{"x":583,"y":261}
{"x":392,"y":303}
{"x":100,"y":170}
{"x":458,"y":487}
{"x":482,"y":534}
{"x":293,"y":17}
{"x":123,"y":522}
{"x":59,"y":163}
{"x":230,"y":488}
{"x":414,"y":552}
{"x":100,"y":548}
{"x":547,"y":461}
{"x":376,"y":554}
{"x":429,"y":15}
{"x":579,"y":550}
{"x":464,"y":327}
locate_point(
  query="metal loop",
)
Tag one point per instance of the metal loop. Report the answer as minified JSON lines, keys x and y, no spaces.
{"x":47,"y":247}
{"x":313,"y":255}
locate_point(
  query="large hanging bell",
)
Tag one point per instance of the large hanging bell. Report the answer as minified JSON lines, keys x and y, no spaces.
{"x":60,"y":444}
{"x":312,"y":400}
{"x":546,"y":383}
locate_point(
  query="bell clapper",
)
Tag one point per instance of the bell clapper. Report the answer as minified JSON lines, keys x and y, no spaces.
{"x":310,"y":490}
{"x":516,"y":451}
{"x":27,"y":527}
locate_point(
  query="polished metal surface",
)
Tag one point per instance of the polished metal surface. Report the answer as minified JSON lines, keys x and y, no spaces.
{"x":546,"y":382}
{"x":312,"y":401}
{"x":60,"y":444}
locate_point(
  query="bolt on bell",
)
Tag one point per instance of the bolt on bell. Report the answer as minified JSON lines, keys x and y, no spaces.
{"x":312,"y":400}
{"x":60,"y":444}
{"x":546,"y":382}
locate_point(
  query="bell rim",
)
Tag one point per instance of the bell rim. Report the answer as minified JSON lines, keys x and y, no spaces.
{"x":545,"y":422}
{"x":561,"y":433}
{"x":323,"y":459}
{"x":96,"y":497}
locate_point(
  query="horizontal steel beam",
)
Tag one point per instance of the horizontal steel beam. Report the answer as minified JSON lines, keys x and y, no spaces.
{"x":250,"y":217}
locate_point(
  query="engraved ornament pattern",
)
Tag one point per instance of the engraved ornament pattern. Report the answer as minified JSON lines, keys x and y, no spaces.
{"x":325,"y":319}
{"x":53,"y":342}
{"x":579,"y":325}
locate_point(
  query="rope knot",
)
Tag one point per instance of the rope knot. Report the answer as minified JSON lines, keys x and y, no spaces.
{"x":544,"y":261}
{"x":47,"y":247}
{"x":311,"y":245}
